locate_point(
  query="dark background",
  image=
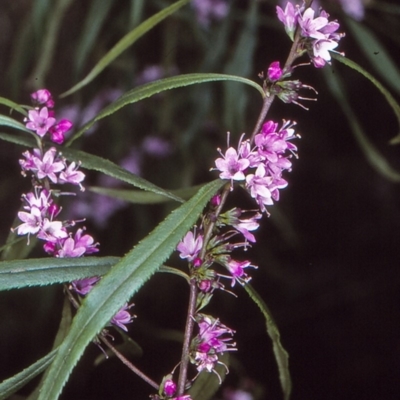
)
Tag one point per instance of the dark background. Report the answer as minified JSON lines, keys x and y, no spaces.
{"x":327,"y":256}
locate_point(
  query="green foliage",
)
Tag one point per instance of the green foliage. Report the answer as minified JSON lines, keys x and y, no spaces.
{"x":17,"y":274}
{"x":51,"y":48}
{"x":118,"y":286}
{"x":281,"y":356}
{"x":125,"y":43}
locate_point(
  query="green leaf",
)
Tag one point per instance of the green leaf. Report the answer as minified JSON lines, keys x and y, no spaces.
{"x":390,"y":99}
{"x":375,"y":159}
{"x":152,"y":88}
{"x":281,"y":356}
{"x":11,"y":385}
{"x":376,"y":53}
{"x":7,"y":121}
{"x":99,"y":10}
{"x":12,"y":105}
{"x":118,"y":286}
{"x":95,"y":163}
{"x":63,"y":328}
{"x":125,"y":43}
{"x":17,"y":274}
{"x":174,"y":271}
{"x":140,"y":197}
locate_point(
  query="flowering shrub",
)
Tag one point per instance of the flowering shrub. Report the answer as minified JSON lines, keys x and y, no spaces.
{"x":209,"y":236}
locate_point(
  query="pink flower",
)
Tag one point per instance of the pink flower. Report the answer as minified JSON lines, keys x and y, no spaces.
{"x":244,"y":226}
{"x":259,"y":185}
{"x":85,"y":241}
{"x":72,"y":175}
{"x":122,"y":317}
{"x":48,"y":166}
{"x":52,"y":231}
{"x":213,"y":338}
{"x":289,"y":18}
{"x":310,"y":26}
{"x":84,"y":286}
{"x":321,"y":49}
{"x":32,"y":221}
{"x":190,"y":246}
{"x":40,"y":121}
{"x":236,"y":268}
{"x":43,"y":96}
{"x":231,"y":165}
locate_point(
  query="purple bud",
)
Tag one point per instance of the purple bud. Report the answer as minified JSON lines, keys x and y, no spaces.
{"x":274,"y":71}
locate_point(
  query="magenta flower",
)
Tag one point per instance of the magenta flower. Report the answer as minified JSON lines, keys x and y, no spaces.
{"x":43,"y":96}
{"x":274,"y":71}
{"x":190,"y":246}
{"x":40,"y":121}
{"x":169,"y":387}
{"x":57,"y":131}
{"x":236,"y":268}
{"x":213,"y":338}
{"x":122,"y":317}
{"x":232,"y":166}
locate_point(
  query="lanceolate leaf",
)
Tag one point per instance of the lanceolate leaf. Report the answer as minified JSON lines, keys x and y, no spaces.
{"x":376,"y":53}
{"x":141,"y":197}
{"x":376,"y":159}
{"x":48,"y":271}
{"x":281,"y":356}
{"x":117,"y":287}
{"x":390,"y":99}
{"x":125,"y":43}
{"x":7,"y":121}
{"x":11,"y":385}
{"x":90,"y":161}
{"x":12,"y":105}
{"x":150,"y":89}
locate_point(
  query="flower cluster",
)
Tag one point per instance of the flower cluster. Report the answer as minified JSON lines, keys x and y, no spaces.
{"x":261,"y":166}
{"x":41,"y":120}
{"x":52,"y":166}
{"x":219,"y":251}
{"x":41,"y":211}
{"x":213,"y":338}
{"x":319,"y":35}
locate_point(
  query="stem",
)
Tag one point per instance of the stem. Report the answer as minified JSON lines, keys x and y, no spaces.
{"x":128,"y":363}
{"x":188,"y":336}
{"x":210,"y":224}
{"x":193,"y":296}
